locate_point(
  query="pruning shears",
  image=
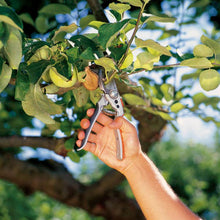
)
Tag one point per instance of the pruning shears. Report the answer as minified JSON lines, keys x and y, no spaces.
{"x":110,"y":96}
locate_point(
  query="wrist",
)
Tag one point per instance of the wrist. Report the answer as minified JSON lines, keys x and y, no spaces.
{"x":134,"y":164}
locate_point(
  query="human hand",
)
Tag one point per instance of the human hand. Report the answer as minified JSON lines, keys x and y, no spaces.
{"x":102,"y":141}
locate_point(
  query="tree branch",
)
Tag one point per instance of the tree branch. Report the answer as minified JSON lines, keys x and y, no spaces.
{"x":53,"y":179}
{"x":50,"y":143}
{"x":97,"y":10}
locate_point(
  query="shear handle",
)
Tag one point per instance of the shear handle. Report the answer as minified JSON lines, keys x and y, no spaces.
{"x":98,"y":109}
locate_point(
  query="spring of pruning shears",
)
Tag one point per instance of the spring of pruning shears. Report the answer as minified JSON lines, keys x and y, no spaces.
{"x":110,"y":96}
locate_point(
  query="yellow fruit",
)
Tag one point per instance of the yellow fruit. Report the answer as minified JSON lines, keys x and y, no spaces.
{"x":61,"y":81}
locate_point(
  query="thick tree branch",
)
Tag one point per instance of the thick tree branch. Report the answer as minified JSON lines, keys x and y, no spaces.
{"x":50,"y":143}
{"x":97,"y":10}
{"x":53,"y":179}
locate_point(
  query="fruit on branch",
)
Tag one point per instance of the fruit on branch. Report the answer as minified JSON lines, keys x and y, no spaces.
{"x":60,"y":80}
{"x":91,"y":80}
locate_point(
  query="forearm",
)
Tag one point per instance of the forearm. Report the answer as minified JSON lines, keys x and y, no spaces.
{"x":155,"y":197}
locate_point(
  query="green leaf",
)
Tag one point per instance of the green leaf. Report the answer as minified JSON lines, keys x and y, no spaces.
{"x":128,"y":60}
{"x":73,"y":156}
{"x":156,"y":101}
{"x":164,"y":115}
{"x":145,"y":60}
{"x":168,"y":91}
{"x":120,"y":8}
{"x":108,"y":32}
{"x":26,"y":17}
{"x":5,"y":75}
{"x":69,"y":143}
{"x":136,"y":3}
{"x":107,"y":63}
{"x":3,"y":3}
{"x":199,"y":63}
{"x":209,"y":79}
{"x":62,"y":31}
{"x":177,"y":107}
{"x":199,"y":4}
{"x":87,"y":54}
{"x":198,"y":98}
{"x":13,"y":48}
{"x":37,"y":104}
{"x":66,"y":127}
{"x":202,"y":50}
{"x":153,"y":45}
{"x":22,"y":83}
{"x":95,"y":95}
{"x":117,"y":51}
{"x":85,"y":21}
{"x":96,"y":24}
{"x":4,"y":34}
{"x":54,"y":9}
{"x":42,"y":24}
{"x":213,"y":44}
{"x":81,"y":96}
{"x":73,"y":54}
{"x":8,"y":16}
{"x":36,"y":69}
{"x":132,"y":99}
{"x":164,"y":19}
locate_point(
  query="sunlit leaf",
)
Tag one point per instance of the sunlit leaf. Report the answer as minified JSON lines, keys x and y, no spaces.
{"x":96,"y":24}
{"x":156,"y":101}
{"x":62,"y":31}
{"x":107,"y":63}
{"x":132,"y":99}
{"x":202,"y":50}
{"x":120,"y":8}
{"x":128,"y":60}
{"x":199,"y":63}
{"x":164,"y":19}
{"x":209,"y":79}
{"x":8,"y":16}
{"x":168,"y":91}
{"x":164,"y":115}
{"x":199,"y":98}
{"x":5,"y":76}
{"x":37,"y":104}
{"x":13,"y":48}
{"x":213,"y":44}
{"x":152,"y":44}
{"x":177,"y":107}
{"x":136,"y":3}
{"x":145,"y":60}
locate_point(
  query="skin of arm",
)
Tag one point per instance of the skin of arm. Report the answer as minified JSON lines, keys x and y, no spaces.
{"x":155,"y":197}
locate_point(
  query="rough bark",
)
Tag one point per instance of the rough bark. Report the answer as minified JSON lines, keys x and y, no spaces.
{"x":53,"y":179}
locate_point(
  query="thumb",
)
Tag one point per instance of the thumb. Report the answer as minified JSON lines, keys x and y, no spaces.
{"x":116,"y":123}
